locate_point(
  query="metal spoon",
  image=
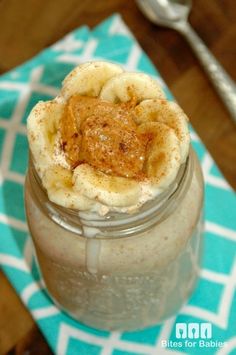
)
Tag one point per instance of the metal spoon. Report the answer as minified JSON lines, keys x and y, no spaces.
{"x":174,"y":14}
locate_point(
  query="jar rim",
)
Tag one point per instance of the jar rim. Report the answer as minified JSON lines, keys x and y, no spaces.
{"x":120,"y":224}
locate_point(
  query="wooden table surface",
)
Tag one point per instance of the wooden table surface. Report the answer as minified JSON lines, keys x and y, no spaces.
{"x":28,"y":26}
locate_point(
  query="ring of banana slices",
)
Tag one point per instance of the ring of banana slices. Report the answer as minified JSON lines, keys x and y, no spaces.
{"x":86,"y":188}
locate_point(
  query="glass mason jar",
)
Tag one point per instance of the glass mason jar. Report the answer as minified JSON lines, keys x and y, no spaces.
{"x":120,"y":271}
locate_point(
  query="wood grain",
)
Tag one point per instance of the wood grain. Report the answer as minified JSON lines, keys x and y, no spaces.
{"x":28,"y":26}
{"x":15,"y":320}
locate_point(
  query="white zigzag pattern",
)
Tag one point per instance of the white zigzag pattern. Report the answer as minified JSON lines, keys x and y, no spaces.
{"x":114,"y":341}
{"x":119,"y":27}
{"x":42,"y":312}
{"x":68,"y":44}
{"x":30,"y":290}
{"x":221,"y":318}
{"x":220,"y":230}
{"x":14,"y":262}
{"x":13,"y":222}
{"x":7,"y":125}
{"x":133,"y":58}
{"x":216,"y":181}
{"x":86,"y":56}
{"x":45,"y":312}
{"x":194,"y":137}
{"x":231,"y":345}
{"x":24,"y":96}
{"x":30,"y":86}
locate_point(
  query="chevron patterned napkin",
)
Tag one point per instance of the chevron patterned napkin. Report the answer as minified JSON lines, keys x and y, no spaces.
{"x":213,"y":304}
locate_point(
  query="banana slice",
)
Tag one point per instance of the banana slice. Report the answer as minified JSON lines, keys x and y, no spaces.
{"x":42,"y":127}
{"x":109,"y":190}
{"x":169,"y":113}
{"x":125,"y":86}
{"x":88,"y":79}
{"x":163,"y":153}
{"x":58,"y":183}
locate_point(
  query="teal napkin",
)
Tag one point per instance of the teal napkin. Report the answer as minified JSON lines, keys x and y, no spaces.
{"x":214,"y":300}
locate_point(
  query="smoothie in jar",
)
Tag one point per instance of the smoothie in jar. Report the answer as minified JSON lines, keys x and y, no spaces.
{"x":114,"y":198}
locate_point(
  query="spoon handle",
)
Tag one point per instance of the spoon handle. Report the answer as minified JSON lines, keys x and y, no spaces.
{"x":224,"y":85}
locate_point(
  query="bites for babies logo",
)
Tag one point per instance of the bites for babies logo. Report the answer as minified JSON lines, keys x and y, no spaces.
{"x":193,"y":335}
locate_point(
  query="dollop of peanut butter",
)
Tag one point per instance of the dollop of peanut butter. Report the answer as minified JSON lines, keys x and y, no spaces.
{"x":103,"y":135}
